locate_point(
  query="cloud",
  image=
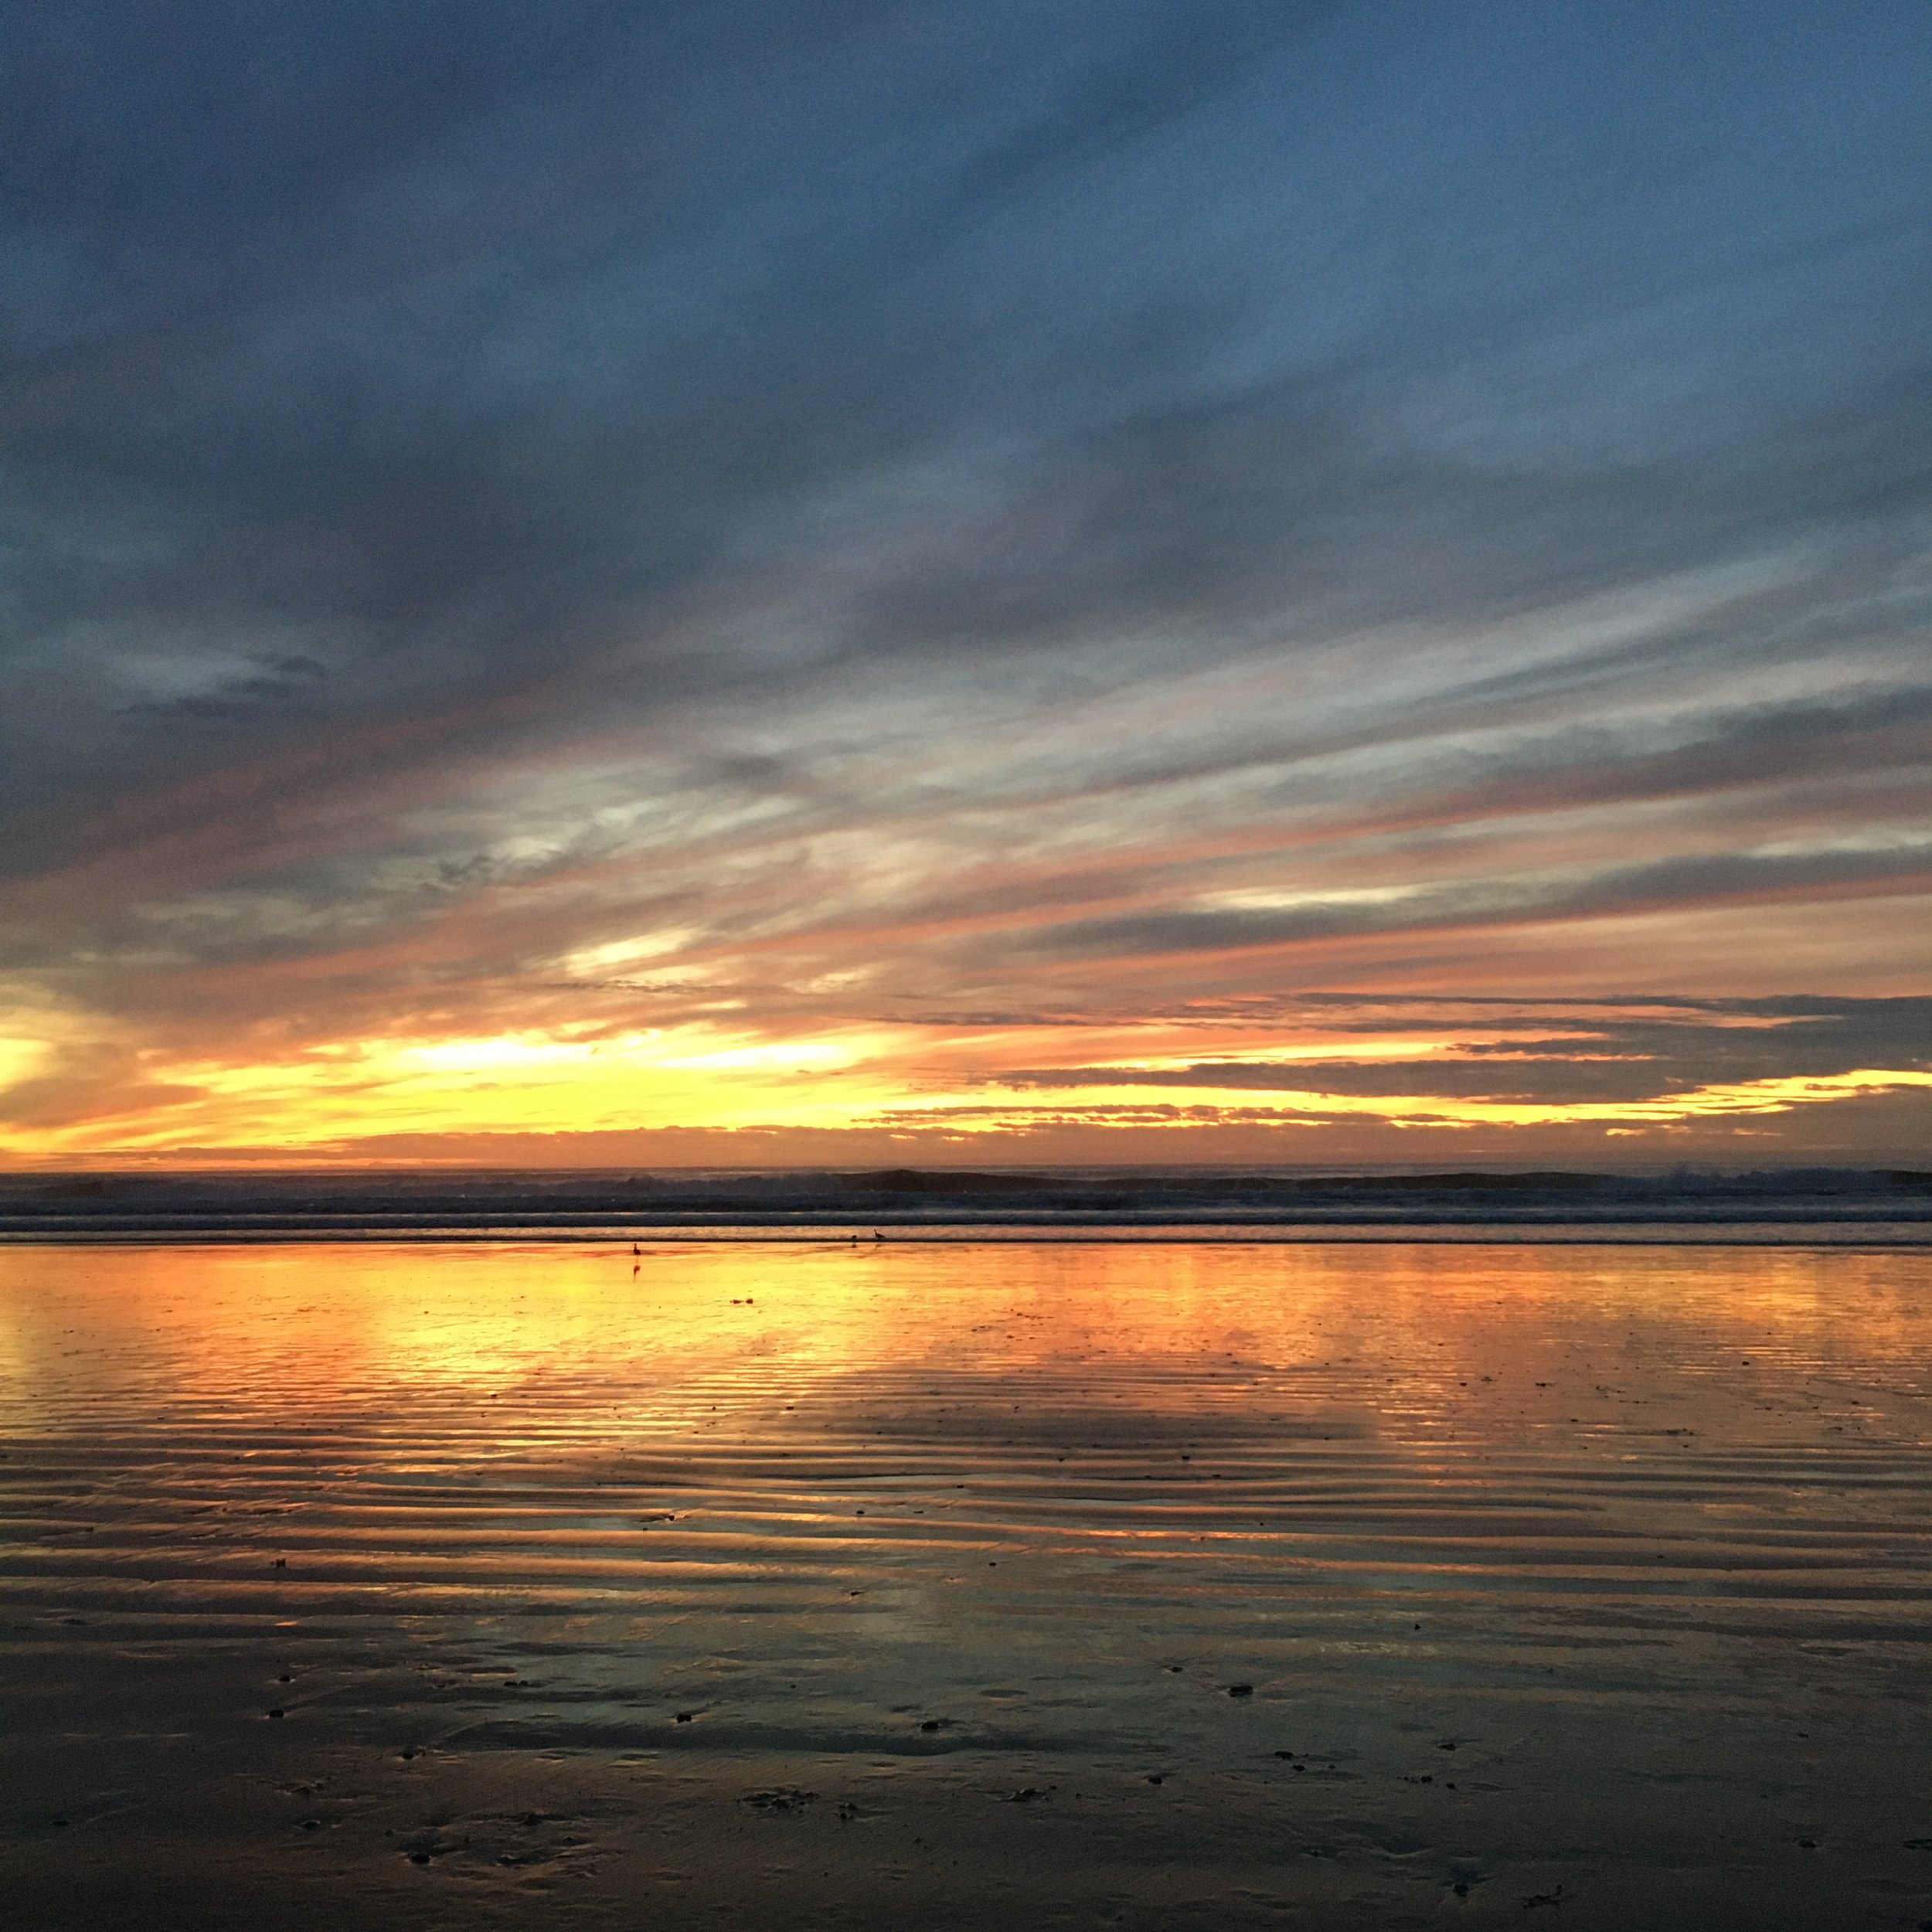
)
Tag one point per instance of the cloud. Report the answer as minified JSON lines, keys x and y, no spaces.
{"x":939,"y":510}
{"x":1691,"y":880}
{"x":1672,"y":1047}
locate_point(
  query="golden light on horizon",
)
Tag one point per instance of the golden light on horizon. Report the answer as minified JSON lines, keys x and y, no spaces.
{"x":973,"y":1083}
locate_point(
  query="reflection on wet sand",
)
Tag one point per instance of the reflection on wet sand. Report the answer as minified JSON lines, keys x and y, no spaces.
{"x":1155,"y":1584}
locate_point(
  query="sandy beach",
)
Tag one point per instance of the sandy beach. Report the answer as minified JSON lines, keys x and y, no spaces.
{"x":1127,"y":1585}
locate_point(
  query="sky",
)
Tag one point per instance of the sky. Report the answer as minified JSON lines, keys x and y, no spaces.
{"x":1086,"y":580}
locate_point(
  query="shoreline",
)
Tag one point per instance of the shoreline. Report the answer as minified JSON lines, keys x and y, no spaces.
{"x":1848,"y":1235}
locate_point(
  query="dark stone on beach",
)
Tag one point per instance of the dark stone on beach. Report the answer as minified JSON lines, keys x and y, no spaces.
{"x":285,"y":1679}
{"x":311,"y":1824}
{"x":1154,"y":1777}
{"x":1240,"y":1690}
{"x":931,"y":1724}
{"x":1807,"y":1844}
{"x":419,"y":1858}
{"x":787,"y":1798}
{"x":277,"y":1712}
{"x":684,"y":1717}
{"x":1027,"y":1794}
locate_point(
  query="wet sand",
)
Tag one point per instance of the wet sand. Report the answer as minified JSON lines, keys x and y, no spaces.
{"x":1202,"y":1585}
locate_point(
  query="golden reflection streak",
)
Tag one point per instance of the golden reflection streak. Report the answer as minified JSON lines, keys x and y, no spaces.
{"x":1380,"y":1330}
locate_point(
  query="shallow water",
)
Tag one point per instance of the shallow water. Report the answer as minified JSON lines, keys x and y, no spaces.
{"x":1110,"y":1584}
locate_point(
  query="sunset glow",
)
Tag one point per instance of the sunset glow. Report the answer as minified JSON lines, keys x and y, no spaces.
{"x":1373,"y":570}
{"x":965,"y":967}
